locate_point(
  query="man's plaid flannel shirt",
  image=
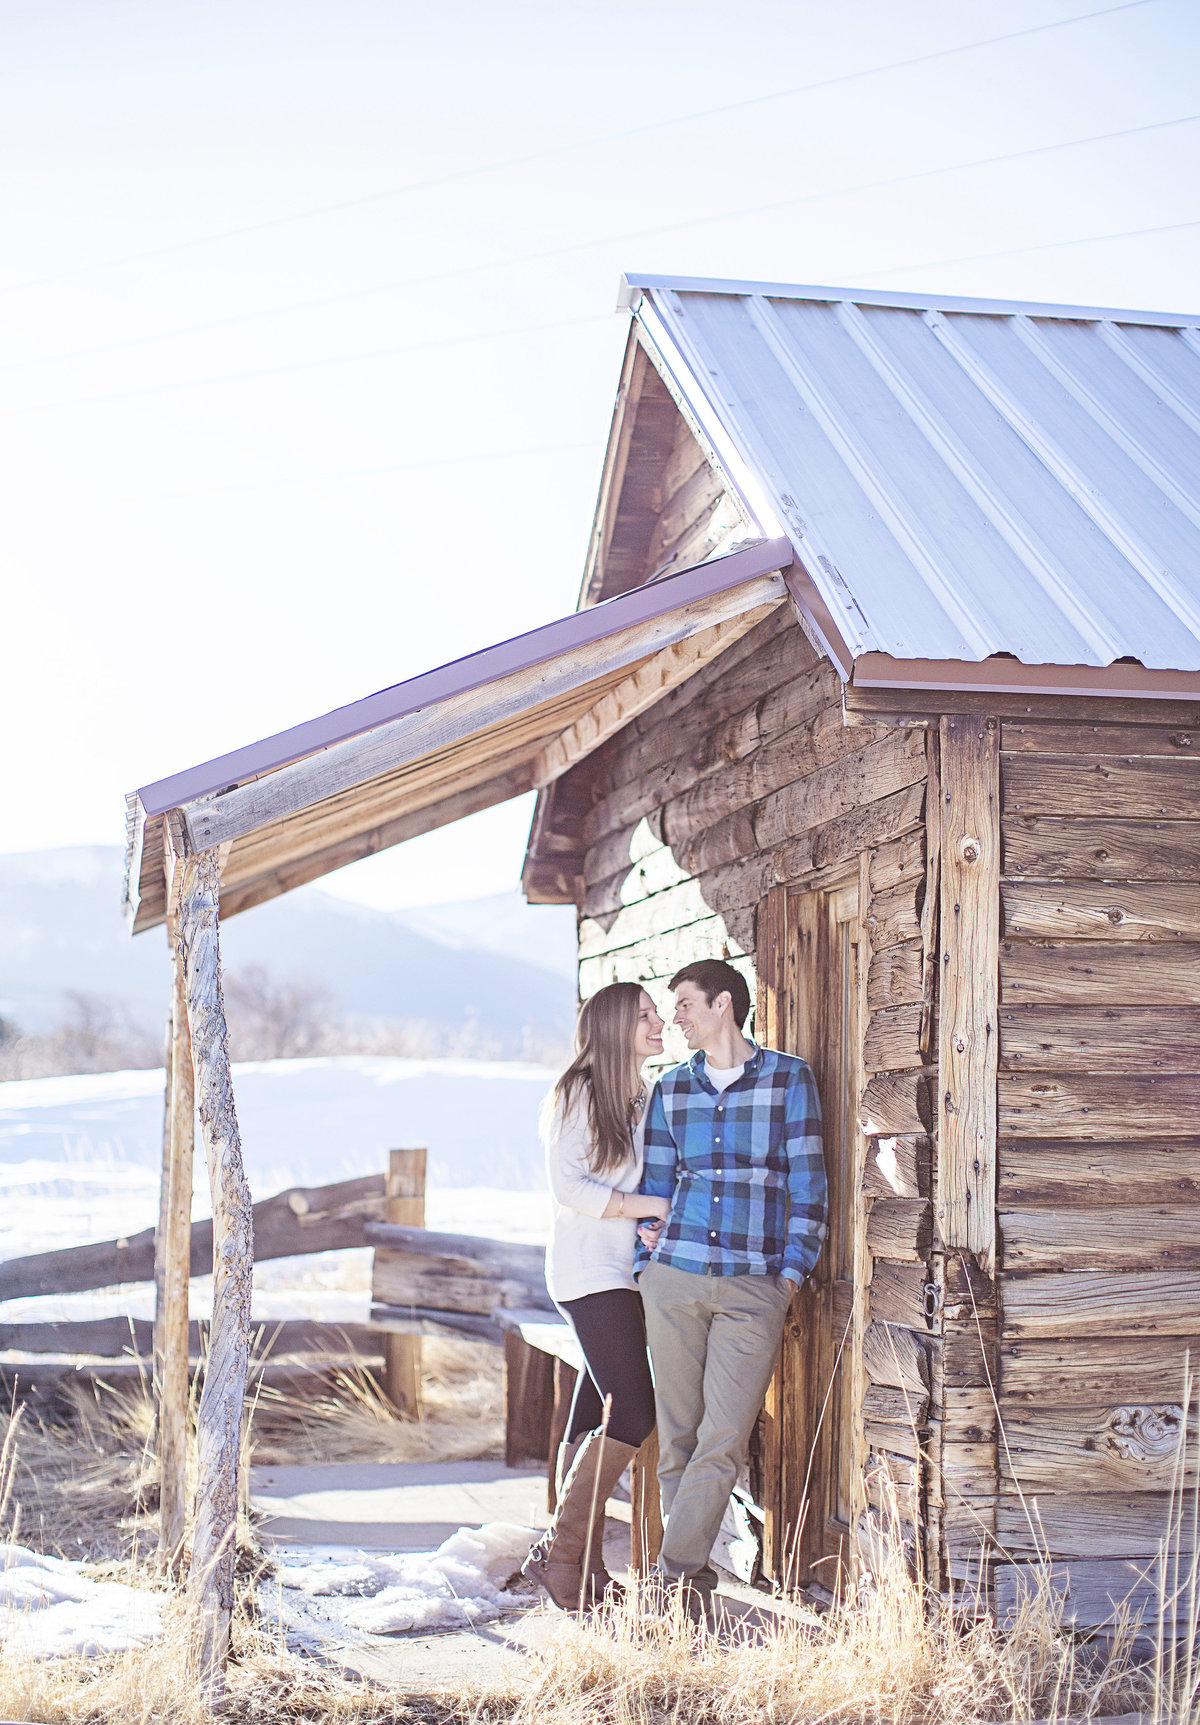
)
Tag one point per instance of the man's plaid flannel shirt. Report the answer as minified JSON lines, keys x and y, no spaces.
{"x":743,"y":1168}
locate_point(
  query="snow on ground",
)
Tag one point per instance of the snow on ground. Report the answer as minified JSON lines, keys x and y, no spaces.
{"x":321,"y":1593}
{"x":80,"y":1158}
{"x":303,"y":1122}
{"x":79,"y":1161}
{"x":48,"y":1608}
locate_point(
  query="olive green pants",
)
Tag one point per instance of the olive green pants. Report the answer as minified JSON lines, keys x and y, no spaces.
{"x":713,"y":1341}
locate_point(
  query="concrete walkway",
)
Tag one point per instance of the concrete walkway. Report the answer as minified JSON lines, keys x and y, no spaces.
{"x":407,"y":1507}
{"x":392,"y":1506}
{"x":415,"y":1506}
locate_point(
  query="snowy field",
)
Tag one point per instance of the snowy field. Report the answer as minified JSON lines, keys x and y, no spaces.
{"x":80,"y":1158}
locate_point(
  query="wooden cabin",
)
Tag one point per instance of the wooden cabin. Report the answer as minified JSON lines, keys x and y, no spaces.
{"x":885,"y":683}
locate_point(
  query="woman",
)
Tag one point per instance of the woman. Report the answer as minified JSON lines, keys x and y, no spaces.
{"x":593,"y":1125}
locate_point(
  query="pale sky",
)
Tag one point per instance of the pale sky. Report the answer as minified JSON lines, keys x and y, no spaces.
{"x":307,"y":338}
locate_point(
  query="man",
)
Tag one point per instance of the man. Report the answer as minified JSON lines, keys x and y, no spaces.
{"x":733,"y":1140}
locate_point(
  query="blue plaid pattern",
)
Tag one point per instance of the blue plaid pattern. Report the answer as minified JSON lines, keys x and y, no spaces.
{"x":743,"y":1169}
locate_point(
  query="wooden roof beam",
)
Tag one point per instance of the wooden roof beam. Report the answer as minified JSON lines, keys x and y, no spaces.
{"x":551,"y":662}
{"x":290,"y":875}
{"x":666,"y":670}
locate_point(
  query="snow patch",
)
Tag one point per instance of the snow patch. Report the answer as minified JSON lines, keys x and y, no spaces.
{"x":319,"y":1591}
{"x":48,"y":1608}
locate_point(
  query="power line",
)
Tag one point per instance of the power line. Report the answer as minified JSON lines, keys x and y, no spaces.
{"x":1043,"y":246}
{"x":472,"y":459}
{"x":659,"y":229}
{"x":315,"y":364}
{"x":442,"y":180}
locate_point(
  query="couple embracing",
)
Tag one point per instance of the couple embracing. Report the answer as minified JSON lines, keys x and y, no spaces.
{"x":684,"y":1219}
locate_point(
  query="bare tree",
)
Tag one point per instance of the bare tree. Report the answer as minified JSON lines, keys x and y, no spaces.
{"x":95,"y":1034}
{"x":279,"y":1018}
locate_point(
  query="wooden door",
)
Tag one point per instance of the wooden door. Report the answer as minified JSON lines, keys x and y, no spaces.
{"x":810,"y":1453}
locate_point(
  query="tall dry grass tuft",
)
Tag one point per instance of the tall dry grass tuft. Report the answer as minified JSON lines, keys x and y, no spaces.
{"x":82,"y":1482}
{"x":892,"y":1654}
{"x":350,"y":1419}
{"x":149,"y":1686}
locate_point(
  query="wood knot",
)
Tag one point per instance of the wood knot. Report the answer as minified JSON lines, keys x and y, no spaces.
{"x":969,"y":848}
{"x":1115,"y":915}
{"x":1180,"y":739}
{"x":1143,"y":1434}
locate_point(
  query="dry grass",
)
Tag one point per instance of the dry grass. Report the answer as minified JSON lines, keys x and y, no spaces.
{"x":84,"y":1482}
{"x":883,"y":1659}
{"x":267,"y":1686}
{"x":892,"y":1655}
{"x":348,"y":1419}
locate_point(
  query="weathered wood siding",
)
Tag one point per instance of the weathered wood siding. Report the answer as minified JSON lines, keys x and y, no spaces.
{"x":902,"y":1362}
{"x":1048,"y":1365}
{"x":1098,"y":1146}
{"x":744,"y":779}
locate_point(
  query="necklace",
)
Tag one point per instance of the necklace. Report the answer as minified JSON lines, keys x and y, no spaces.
{"x":639,"y":1102}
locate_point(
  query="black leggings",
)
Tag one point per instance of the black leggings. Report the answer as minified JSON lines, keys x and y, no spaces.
{"x":612,"y":1333}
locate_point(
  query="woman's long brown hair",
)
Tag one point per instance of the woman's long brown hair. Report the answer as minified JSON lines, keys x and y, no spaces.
{"x":605,"y":1069}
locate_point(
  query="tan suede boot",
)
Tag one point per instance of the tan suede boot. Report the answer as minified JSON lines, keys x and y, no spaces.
{"x":601,"y":1585}
{"x":557,"y":1559}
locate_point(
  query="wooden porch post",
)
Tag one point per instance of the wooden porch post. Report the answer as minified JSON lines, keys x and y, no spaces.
{"x":164,"y":1199}
{"x":969,"y":984}
{"x":219,"y":1428}
{"x":173,"y":1249}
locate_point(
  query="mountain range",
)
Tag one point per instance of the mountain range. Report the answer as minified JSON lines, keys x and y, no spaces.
{"x":498,"y":963}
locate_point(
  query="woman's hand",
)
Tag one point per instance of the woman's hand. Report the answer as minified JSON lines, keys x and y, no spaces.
{"x":649,"y":1234}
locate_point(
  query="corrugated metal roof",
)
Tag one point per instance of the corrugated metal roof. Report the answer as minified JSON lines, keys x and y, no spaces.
{"x":958,"y":478}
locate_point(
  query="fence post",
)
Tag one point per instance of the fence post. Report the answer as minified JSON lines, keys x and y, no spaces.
{"x":565,"y":1379}
{"x":406,"y":1206}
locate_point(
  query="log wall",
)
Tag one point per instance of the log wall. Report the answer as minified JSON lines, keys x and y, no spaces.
{"x":1097,"y":1296}
{"x":743,"y":780}
{"x":902,"y":1361}
{"x":1023,"y":1393}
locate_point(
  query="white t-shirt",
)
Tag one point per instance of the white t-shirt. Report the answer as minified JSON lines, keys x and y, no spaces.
{"x":721,"y":1077}
{"x":588,"y":1251}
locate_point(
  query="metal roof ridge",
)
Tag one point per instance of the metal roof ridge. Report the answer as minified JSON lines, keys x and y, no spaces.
{"x":634,"y":284}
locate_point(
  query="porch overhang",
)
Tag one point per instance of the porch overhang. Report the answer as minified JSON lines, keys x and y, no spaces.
{"x":475,"y":732}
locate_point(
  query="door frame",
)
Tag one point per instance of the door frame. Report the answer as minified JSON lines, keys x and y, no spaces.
{"x":813,"y":951}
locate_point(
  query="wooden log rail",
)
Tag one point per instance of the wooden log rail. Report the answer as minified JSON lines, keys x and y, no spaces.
{"x":113,"y":1338}
{"x":508,"y":1259}
{"x":291,"y":1224}
{"x":451,"y":1284}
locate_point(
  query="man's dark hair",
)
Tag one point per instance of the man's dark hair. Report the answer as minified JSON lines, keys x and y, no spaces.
{"x":713,"y":976}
